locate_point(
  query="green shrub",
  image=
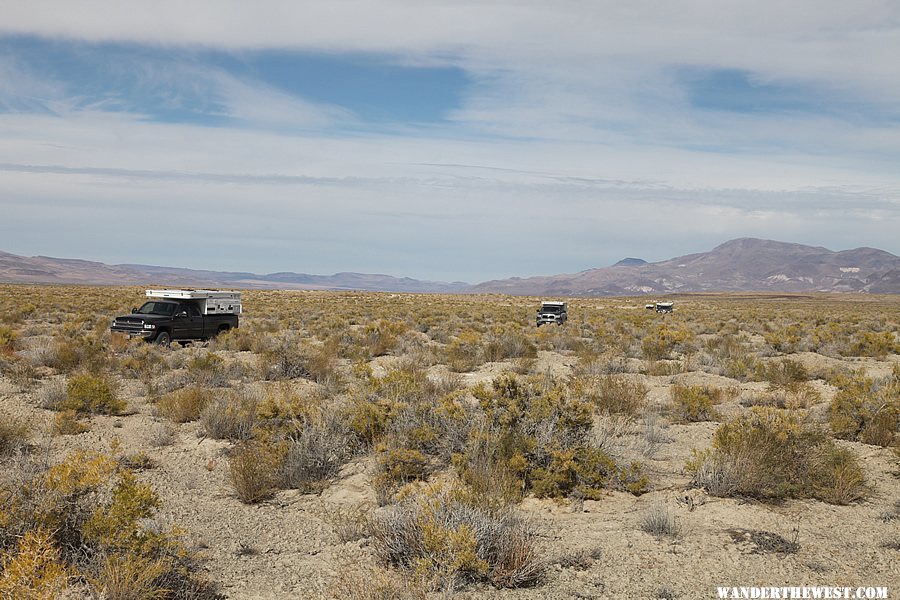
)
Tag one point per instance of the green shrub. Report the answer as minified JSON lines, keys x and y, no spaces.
{"x":184,"y":405}
{"x":94,"y":394}
{"x":464,"y":352}
{"x":14,"y":434}
{"x":612,"y":394}
{"x":695,"y":403}
{"x":867,"y":410}
{"x":769,"y":454}
{"x":584,"y":472}
{"x":207,"y":369}
{"x":538,"y":433}
{"x":66,"y":422}
{"x":784,"y":374}
{"x":231,"y":416}
{"x":399,"y":466}
{"x":8,"y":339}
{"x":870,"y":343}
{"x":441,"y":536}
{"x":61,"y":522}
{"x":665,"y":339}
{"x":253,"y":471}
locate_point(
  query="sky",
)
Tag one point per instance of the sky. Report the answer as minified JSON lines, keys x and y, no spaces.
{"x":444,"y":140}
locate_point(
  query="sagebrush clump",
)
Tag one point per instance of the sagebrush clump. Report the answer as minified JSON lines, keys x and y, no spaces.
{"x":75,"y":520}
{"x":440,"y":534}
{"x":769,"y":454}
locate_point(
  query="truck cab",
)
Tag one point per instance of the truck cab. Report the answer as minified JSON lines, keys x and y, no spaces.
{"x":552,"y":312}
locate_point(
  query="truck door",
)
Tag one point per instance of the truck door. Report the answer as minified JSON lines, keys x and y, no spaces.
{"x":187,"y":323}
{"x":195,"y":322}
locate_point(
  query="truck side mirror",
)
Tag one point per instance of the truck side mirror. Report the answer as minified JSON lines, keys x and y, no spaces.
{"x":182,"y":314}
{"x":134,"y":310}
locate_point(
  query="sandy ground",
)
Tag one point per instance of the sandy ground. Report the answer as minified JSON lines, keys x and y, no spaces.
{"x":287,"y":548}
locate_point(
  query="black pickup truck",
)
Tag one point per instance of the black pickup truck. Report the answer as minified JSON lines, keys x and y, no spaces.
{"x":165,"y":321}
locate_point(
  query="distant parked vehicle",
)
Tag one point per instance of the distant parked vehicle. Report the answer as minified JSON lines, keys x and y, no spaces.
{"x":181,"y":315}
{"x":664,"y":307}
{"x":552,"y":312}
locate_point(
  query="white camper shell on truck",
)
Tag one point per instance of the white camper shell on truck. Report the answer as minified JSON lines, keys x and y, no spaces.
{"x":210,"y":302}
{"x":552,"y":312}
{"x":664,"y":307}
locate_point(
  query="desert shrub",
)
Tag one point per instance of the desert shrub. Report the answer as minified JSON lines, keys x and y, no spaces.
{"x":876,"y":344}
{"x":53,"y":394}
{"x":399,"y":466}
{"x":437,"y":427}
{"x":663,"y":368}
{"x":695,"y":403}
{"x":353,"y":583}
{"x":231,"y":416}
{"x":867,"y":410}
{"x":8,"y":339}
{"x":313,"y":453}
{"x":119,"y":577}
{"x":612,"y":394}
{"x":507,"y":344}
{"x":253,"y":470}
{"x":145,"y":362}
{"x":14,"y":434}
{"x":437,"y":533}
{"x":665,"y":339}
{"x":769,"y":454}
{"x":238,"y":340}
{"x":34,"y":569}
{"x":285,"y":359}
{"x":539,"y":433}
{"x":785,"y":340}
{"x":291,"y":358}
{"x":583,"y":472}
{"x":66,"y":422}
{"x":378,"y":402}
{"x":208,"y":370}
{"x":349,"y":522}
{"x":94,"y":394}
{"x":381,"y":338}
{"x":184,"y":405}
{"x":742,"y":367}
{"x":838,"y":476}
{"x":464,"y":352}
{"x":785,"y":374}
{"x":56,"y":520}
{"x":659,"y":522}
{"x":73,"y":349}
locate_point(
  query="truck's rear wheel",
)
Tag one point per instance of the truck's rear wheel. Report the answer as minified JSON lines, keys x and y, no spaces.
{"x":163,"y":338}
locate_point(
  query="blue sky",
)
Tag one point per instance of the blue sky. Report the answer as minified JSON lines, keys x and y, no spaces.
{"x":445,"y":140}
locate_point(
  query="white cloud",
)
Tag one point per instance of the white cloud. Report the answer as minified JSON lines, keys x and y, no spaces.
{"x":579,"y":101}
{"x":269,"y":201}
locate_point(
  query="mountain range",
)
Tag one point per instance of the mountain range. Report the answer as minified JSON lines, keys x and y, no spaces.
{"x":741,"y":265}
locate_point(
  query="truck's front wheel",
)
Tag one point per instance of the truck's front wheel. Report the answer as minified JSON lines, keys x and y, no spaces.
{"x":163,"y":338}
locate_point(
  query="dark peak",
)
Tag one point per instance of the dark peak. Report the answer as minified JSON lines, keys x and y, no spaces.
{"x":630,"y":262}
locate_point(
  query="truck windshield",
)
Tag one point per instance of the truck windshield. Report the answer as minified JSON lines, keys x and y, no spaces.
{"x":551,"y":309}
{"x":157,"y":308}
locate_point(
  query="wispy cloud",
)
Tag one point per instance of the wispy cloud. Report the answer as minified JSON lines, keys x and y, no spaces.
{"x":595,"y":130}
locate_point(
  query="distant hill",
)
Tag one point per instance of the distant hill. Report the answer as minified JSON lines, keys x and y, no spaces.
{"x":630,"y":262}
{"x":44,"y":269}
{"x":742,"y":265}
